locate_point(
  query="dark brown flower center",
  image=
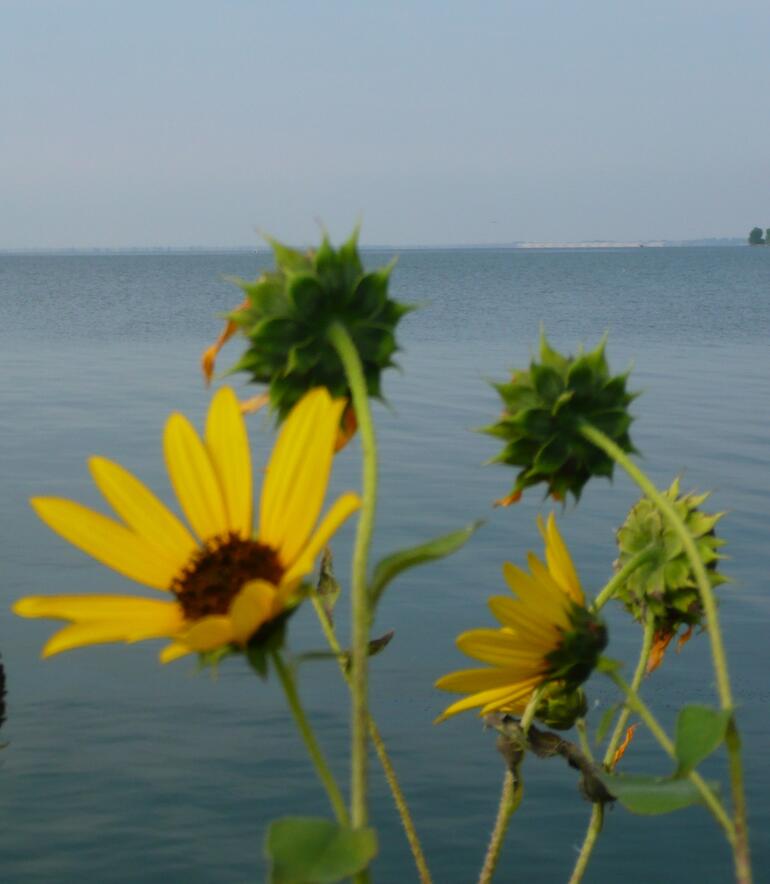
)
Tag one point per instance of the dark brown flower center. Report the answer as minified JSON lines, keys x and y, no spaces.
{"x":218,"y":570}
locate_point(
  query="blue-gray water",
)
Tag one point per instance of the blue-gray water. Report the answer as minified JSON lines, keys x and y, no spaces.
{"x":117,"y":769}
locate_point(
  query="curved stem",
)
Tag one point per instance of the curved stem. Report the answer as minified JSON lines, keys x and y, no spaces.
{"x":597,"y":811}
{"x":379,"y":747}
{"x":617,"y":580}
{"x":314,"y":750}
{"x":704,"y":584}
{"x":625,"y":712}
{"x":635,"y":702}
{"x":510,"y":799}
{"x":346,"y":350}
{"x":741,"y":845}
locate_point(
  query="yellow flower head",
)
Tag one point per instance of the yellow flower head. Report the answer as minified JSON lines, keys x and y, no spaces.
{"x":223,"y":582}
{"x":546,"y":633}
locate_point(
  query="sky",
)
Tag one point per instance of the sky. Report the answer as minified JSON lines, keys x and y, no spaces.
{"x":185,"y":123}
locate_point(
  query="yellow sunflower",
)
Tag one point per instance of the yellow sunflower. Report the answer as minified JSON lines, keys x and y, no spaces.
{"x":224,"y":581}
{"x":546,"y":633}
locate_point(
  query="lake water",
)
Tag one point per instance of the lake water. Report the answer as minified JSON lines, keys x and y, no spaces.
{"x":116,"y":769}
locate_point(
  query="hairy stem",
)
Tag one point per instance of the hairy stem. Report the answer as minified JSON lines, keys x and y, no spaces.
{"x":360,"y":618}
{"x":306,"y":732}
{"x":510,"y":799}
{"x":379,"y":747}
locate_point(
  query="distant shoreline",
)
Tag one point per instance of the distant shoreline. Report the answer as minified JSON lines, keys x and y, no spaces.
{"x":603,"y":245}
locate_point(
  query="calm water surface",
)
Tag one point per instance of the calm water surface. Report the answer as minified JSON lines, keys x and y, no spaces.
{"x":118,"y":770}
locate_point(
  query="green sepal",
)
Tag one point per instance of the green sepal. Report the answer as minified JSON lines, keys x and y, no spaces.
{"x":652,"y":795}
{"x":699,"y":731}
{"x":391,"y":566}
{"x":313,"y":850}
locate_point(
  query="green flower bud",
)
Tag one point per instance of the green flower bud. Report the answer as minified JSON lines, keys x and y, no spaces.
{"x":560,"y":705}
{"x":544,"y":409}
{"x":288,"y":311}
{"x":665,"y":585}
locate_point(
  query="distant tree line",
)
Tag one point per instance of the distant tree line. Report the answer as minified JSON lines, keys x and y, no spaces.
{"x":756,"y":238}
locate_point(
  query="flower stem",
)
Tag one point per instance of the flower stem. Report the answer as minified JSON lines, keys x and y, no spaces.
{"x":314,"y":750}
{"x":741,"y":844}
{"x":510,"y":799}
{"x":592,"y":834}
{"x":636,"y":681}
{"x":617,"y":580}
{"x":636,"y":704}
{"x":379,"y":747}
{"x":597,"y":812}
{"x":351,"y":361}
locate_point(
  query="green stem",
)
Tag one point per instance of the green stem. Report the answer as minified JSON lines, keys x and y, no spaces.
{"x":636,"y":681}
{"x":314,"y":750}
{"x":706,"y":592}
{"x":510,"y":799}
{"x":597,"y":812}
{"x":618,"y":579}
{"x":346,"y":350}
{"x":585,"y":745}
{"x":592,"y":835}
{"x":636,"y":704}
{"x":379,"y":747}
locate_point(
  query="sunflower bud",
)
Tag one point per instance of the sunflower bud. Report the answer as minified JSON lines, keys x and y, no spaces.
{"x":560,"y":705}
{"x":287,"y":314}
{"x":664,"y":585}
{"x":544,"y":409}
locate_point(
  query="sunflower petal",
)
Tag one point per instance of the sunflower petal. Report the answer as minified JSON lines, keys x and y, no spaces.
{"x":498,"y":648}
{"x":96,"y":632}
{"x":515,"y":702}
{"x":251,"y":608}
{"x":559,"y":560}
{"x":209,"y":633}
{"x":298,"y":473}
{"x":193,"y":478}
{"x":228,"y":447}
{"x":106,"y":540}
{"x":538,"y":593}
{"x":533,"y":633}
{"x":101,"y":608}
{"x":474,"y":700}
{"x":174,"y":651}
{"x":471,"y":680}
{"x":341,"y":509}
{"x":143,"y":512}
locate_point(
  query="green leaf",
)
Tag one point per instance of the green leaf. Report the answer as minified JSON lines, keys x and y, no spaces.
{"x":391,"y":566}
{"x":652,"y":795}
{"x":605,"y":721}
{"x":310,"y":850}
{"x":699,"y":731}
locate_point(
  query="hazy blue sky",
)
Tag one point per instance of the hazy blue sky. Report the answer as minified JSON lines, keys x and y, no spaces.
{"x":176,"y":122}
